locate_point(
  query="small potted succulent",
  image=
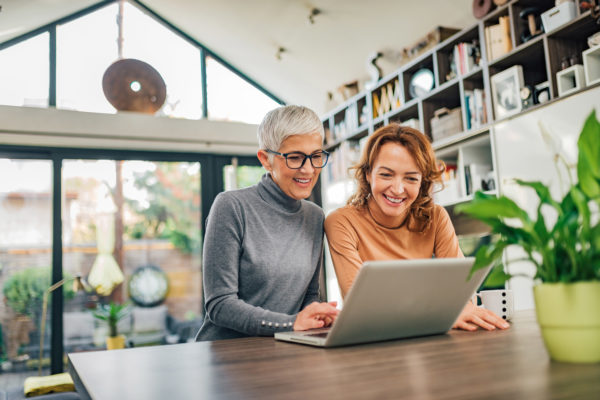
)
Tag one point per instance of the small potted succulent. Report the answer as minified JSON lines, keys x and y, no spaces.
{"x":112,"y":313}
{"x":566,"y":252}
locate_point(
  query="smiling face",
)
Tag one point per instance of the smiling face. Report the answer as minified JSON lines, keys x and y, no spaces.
{"x":395,"y":181}
{"x":296,"y":183}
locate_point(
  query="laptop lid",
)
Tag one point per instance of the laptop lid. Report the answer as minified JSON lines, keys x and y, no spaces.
{"x":401,"y":298}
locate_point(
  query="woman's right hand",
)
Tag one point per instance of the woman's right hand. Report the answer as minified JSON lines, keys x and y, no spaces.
{"x":316,"y":315}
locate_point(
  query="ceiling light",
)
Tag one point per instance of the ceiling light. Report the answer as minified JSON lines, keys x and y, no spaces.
{"x":280,"y":51}
{"x":313,"y":13}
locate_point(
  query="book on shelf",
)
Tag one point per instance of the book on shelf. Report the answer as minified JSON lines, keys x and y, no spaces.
{"x":449,"y":191}
{"x":341,"y":160}
{"x":386,"y":98}
{"x":463,"y":57}
{"x":347,"y":125}
{"x":497,"y":38}
{"x":476,"y":115}
{"x":475,"y":176}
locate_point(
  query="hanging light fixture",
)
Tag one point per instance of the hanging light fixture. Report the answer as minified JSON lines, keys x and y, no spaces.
{"x":130,"y":84}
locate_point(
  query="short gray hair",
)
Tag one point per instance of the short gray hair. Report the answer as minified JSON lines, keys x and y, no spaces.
{"x":286,"y":121}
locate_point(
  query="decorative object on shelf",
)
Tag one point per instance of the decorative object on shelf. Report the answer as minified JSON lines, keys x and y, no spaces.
{"x":594,"y":40}
{"x":594,"y":8}
{"x":481,"y":8}
{"x":591,"y":65}
{"x":527,"y":98}
{"x":559,"y":15}
{"x":570,"y":80}
{"x":446,"y":122}
{"x":542,"y":92}
{"x":506,"y":86}
{"x":112,"y":313}
{"x":148,"y":286}
{"x":421,"y":83}
{"x":531,"y":15}
{"x":347,"y":90}
{"x":564,"y":252}
{"x":564,"y":63}
{"x":429,"y":41}
{"x":386,"y":98}
{"x":374,"y":70}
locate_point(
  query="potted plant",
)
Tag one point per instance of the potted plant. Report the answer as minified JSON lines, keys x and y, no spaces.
{"x":566,"y":253}
{"x":112,"y":313}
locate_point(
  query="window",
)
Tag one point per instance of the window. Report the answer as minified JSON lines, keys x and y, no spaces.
{"x":81,"y":63}
{"x":155,"y":223}
{"x":25,"y":258}
{"x":24,"y":73}
{"x":232,"y":98}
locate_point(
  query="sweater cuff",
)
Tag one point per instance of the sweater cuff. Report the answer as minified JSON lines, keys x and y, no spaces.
{"x":268,"y":327}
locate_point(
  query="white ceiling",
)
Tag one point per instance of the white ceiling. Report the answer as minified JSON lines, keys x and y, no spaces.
{"x":319,"y":57}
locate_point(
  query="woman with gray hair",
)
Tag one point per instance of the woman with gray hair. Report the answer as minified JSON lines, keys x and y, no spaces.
{"x":263,"y":244}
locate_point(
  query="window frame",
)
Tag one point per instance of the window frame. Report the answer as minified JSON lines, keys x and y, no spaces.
{"x":204,"y":51}
{"x":211,"y":184}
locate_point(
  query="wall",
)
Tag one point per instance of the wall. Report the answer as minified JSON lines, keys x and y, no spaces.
{"x":522,"y":153}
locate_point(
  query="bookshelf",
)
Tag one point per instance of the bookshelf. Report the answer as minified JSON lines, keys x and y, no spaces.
{"x":461,"y":83}
{"x":494,"y":149}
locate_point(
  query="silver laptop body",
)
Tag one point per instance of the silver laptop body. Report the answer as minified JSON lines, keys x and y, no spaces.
{"x":398,"y":299}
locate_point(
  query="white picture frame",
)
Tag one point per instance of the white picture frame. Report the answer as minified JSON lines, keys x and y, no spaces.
{"x":506,"y":86}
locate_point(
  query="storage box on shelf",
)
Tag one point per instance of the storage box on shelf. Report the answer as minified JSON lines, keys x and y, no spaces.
{"x":570,"y":80}
{"x":559,"y":15}
{"x":591,"y":65}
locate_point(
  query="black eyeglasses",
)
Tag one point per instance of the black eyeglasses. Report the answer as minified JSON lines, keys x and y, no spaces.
{"x":296,"y":159}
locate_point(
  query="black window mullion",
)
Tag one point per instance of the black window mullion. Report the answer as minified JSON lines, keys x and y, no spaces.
{"x":204,"y":87}
{"x":52,"y":69}
{"x":56,"y":333}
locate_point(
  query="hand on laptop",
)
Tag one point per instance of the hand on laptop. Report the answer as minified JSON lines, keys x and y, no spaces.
{"x":472,"y":317}
{"x":316,"y":315}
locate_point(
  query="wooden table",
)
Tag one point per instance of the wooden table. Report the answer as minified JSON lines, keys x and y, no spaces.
{"x":511,"y":364}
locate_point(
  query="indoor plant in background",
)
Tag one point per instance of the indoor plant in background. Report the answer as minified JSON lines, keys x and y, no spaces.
{"x":566,"y":253}
{"x":112,"y":313}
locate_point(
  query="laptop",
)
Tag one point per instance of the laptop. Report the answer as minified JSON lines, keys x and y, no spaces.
{"x":398,"y":299}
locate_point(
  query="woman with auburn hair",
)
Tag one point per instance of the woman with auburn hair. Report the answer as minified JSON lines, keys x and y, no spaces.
{"x":392,"y":214}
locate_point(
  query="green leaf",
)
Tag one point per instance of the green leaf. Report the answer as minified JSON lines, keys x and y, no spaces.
{"x":493,"y":208}
{"x":588,"y":182}
{"x":589,"y":145}
{"x":486,"y":255}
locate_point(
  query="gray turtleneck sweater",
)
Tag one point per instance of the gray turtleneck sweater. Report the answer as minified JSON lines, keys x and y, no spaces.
{"x":261,"y":261}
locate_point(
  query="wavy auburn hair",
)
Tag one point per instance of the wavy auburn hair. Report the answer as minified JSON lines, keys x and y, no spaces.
{"x":419,"y":146}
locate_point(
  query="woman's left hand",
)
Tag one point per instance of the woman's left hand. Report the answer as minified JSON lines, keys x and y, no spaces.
{"x":473,"y":317}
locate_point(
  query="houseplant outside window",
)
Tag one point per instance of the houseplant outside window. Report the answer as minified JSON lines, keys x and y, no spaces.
{"x":112,"y":313}
{"x":566,"y":254}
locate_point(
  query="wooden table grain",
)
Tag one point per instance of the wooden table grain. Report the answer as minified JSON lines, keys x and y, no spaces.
{"x":510,"y":364}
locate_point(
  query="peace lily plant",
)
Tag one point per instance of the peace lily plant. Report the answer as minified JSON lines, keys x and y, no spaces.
{"x":566,"y":253}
